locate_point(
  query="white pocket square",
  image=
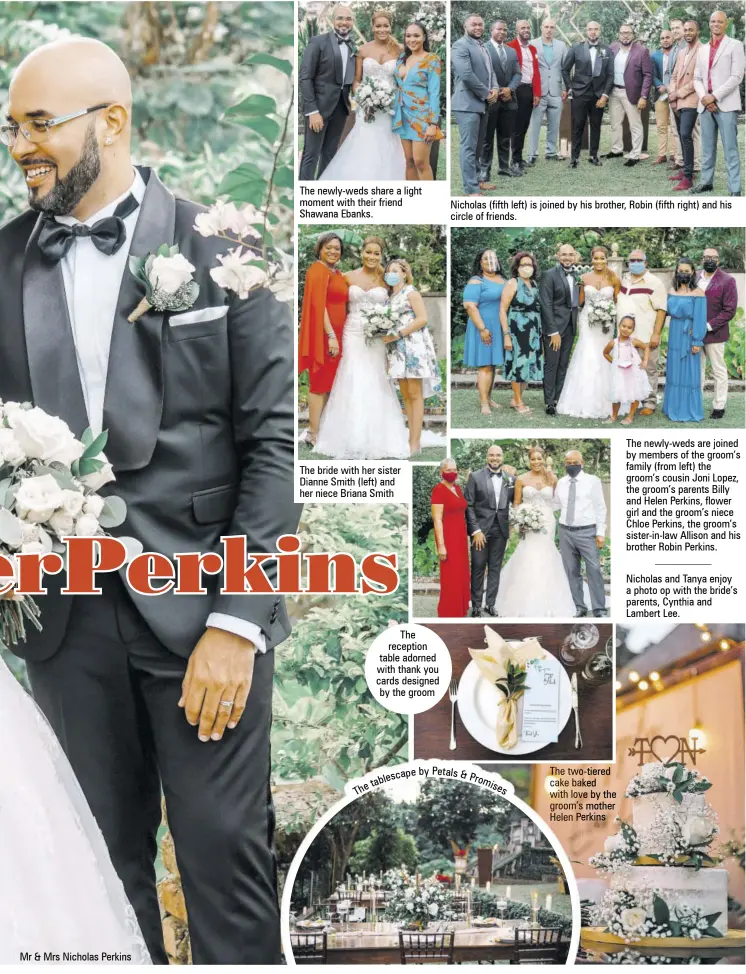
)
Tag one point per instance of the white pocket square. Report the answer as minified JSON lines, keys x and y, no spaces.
{"x":192,"y":317}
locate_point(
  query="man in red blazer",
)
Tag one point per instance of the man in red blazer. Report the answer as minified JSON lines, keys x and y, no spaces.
{"x":721,"y":292}
{"x":528,"y":92}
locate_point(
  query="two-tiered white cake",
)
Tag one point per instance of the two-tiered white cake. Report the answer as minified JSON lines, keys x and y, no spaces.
{"x":663,"y":882}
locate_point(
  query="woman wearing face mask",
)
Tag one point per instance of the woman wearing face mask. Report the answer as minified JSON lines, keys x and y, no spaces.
{"x":585,"y":393}
{"x":687,"y":327}
{"x":417,"y":105}
{"x":483,"y":343}
{"x":534,"y":582}
{"x":322,"y":320}
{"x":448,"y":507}
{"x":363,"y":419}
{"x":372,"y":150}
{"x":520,"y":320}
{"x":411,"y":356}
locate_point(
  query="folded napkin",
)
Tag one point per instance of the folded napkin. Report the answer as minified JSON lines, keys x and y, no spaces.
{"x":504,"y":665}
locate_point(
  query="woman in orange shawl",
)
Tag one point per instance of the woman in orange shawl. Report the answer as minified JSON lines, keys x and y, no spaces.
{"x":322,"y":320}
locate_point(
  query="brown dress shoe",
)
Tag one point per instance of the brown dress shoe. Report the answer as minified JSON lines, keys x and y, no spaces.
{"x":647,"y":411}
{"x":660,"y":160}
{"x":487,"y":186}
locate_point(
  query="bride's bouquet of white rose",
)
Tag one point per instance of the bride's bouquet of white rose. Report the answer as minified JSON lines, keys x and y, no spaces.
{"x":527,"y":519}
{"x":380,"y":321}
{"x":602,"y":314}
{"x":374,"y":96}
{"x":48,"y":491}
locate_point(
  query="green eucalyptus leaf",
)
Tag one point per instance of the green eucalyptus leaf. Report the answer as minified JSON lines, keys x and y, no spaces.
{"x":253,"y":105}
{"x":113,"y":513}
{"x":96,"y":446}
{"x":274,"y":62}
{"x":263,"y":125}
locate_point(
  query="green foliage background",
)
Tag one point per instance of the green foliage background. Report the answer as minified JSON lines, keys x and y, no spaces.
{"x":663,"y":246}
{"x":471,"y":455}
{"x":212,"y":92}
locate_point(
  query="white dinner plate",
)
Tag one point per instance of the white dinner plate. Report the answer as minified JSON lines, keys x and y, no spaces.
{"x":478,"y":700}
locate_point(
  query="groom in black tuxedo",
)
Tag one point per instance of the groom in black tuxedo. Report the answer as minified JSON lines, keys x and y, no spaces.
{"x":489,"y":494}
{"x":558,"y":296}
{"x":588,"y":73}
{"x":326,"y":73}
{"x":199,"y":410}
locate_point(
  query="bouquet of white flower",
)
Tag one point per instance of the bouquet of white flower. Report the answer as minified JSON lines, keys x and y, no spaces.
{"x":418,"y":902}
{"x":527,"y":518}
{"x":374,"y":96}
{"x":602,"y":314}
{"x":380,"y":321}
{"x":48,"y":491}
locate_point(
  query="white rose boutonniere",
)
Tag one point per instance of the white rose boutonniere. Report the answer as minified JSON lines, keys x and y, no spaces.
{"x":167,"y":276}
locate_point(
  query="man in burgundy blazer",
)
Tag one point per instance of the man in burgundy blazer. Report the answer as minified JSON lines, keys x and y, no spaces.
{"x":722,"y":303}
{"x":633,"y":78}
{"x":528,"y":92}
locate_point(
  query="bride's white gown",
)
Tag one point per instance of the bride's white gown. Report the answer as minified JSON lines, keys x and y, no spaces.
{"x":585,"y":393}
{"x":362,"y":419}
{"x":58,"y":888}
{"x":372,"y":150}
{"x":533,"y":582}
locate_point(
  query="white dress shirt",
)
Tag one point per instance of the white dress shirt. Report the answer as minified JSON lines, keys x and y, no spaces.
{"x":620,"y":63}
{"x":590,"y":506}
{"x":703,"y":281}
{"x":92,"y":282}
{"x":527,"y":65}
{"x":593,"y":54}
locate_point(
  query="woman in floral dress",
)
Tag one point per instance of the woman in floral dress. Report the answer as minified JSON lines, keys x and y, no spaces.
{"x":520,"y":320}
{"x":417,"y":104}
{"x":411,"y":354}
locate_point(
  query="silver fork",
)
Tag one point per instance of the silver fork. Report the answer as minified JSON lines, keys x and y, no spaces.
{"x":453,"y":697}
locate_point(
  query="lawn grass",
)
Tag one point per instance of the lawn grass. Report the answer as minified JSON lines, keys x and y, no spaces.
{"x":465,"y":414}
{"x":429,"y":454}
{"x":613,"y":178}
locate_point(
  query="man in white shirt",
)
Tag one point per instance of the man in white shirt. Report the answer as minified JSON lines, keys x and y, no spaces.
{"x":643,"y":295}
{"x":582,"y":532}
{"x":198,"y":409}
{"x":633,"y":79}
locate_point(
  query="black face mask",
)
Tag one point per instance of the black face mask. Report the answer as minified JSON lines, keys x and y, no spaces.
{"x":687,"y":279}
{"x":710,"y":264}
{"x":573,"y":469}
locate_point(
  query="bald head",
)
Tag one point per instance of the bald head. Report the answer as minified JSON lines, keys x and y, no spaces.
{"x":79,"y":165}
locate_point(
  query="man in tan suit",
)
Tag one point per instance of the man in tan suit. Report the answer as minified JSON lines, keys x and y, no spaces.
{"x":684,"y":101}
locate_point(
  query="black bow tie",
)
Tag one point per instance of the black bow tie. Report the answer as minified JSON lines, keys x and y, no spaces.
{"x":495,"y":473}
{"x":342,"y":40}
{"x":108,"y":235}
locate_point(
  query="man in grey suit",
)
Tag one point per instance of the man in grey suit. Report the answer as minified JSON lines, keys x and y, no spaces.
{"x":475,"y":89}
{"x":550,"y":53}
{"x":489,"y":494}
{"x":501,"y":113}
{"x":172,"y":693}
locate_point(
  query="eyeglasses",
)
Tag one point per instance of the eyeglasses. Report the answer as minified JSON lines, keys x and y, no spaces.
{"x":36,"y":130}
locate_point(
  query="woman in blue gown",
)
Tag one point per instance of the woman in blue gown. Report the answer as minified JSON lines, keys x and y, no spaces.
{"x":483,"y":344}
{"x":687,"y":327}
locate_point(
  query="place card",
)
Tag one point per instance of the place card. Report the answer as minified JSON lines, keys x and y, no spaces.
{"x":540,"y":701}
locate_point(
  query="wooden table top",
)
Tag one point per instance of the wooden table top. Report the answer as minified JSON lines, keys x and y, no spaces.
{"x":432,"y":729}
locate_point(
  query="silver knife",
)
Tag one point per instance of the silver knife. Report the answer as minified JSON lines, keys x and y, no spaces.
{"x":574,"y":685}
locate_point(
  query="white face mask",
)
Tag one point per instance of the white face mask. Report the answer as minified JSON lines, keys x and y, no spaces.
{"x":526,"y":271}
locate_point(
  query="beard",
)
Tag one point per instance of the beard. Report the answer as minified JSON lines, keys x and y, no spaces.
{"x":69,"y":190}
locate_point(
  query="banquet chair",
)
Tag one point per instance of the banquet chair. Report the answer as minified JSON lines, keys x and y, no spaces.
{"x":308,"y":948}
{"x":426,"y":948}
{"x":460,"y":904}
{"x":542,"y":945}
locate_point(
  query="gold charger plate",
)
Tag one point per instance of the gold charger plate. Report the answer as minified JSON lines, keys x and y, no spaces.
{"x":597,"y":935}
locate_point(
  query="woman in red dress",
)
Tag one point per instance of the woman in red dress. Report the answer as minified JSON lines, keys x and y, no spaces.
{"x":449,"y":521}
{"x":321,"y":323}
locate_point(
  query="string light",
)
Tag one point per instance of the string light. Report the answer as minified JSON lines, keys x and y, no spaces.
{"x":705,"y":636}
{"x":724,"y":644}
{"x":643,"y":685}
{"x":697,"y":736}
{"x":701,"y":625}
{"x":654,"y":676}
{"x":634,"y":676}
{"x":617,"y":685}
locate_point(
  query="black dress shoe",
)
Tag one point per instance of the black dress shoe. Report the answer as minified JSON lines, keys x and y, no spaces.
{"x":552,"y":158}
{"x":573,"y":164}
{"x":631,"y":162}
{"x":702,"y":188}
{"x":516,"y":170}
{"x":551,"y":410}
{"x":599,"y":613}
{"x":735,"y":194}
{"x":581,"y":613}
{"x":613,"y":155}
{"x":595,"y":161}
{"x":717,"y":414}
{"x":505,"y":172}
{"x":530,"y":162}
{"x":475,"y":613}
{"x":489,"y":612}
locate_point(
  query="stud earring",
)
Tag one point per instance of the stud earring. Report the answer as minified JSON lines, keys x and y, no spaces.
{"x":108,"y":140}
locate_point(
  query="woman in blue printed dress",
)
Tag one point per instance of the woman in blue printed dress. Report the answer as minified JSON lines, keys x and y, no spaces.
{"x":417,"y":104}
{"x":411,"y":354}
{"x":520,"y":320}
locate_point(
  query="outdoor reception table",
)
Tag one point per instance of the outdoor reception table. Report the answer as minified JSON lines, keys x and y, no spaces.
{"x":364,"y":946}
{"x":432,"y":729}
